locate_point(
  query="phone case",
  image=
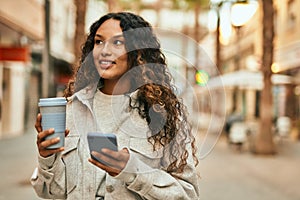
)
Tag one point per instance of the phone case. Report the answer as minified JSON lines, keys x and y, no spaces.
{"x":97,"y":141}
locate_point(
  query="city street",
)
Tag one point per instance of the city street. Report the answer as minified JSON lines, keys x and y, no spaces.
{"x":18,"y":160}
{"x":234,"y":66}
{"x":226,"y":174}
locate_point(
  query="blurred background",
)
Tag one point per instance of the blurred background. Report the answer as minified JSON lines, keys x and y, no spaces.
{"x":235,"y":62}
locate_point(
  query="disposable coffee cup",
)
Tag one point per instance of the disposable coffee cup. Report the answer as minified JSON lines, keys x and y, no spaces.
{"x":53,"y":112}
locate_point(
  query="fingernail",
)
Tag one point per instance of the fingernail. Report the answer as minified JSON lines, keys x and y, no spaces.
{"x":104,"y":150}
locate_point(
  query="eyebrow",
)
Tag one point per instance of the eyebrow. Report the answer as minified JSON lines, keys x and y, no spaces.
{"x":116,"y":36}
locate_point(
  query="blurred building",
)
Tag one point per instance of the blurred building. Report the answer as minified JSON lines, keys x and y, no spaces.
{"x":22,"y":47}
{"x":22,"y":40}
{"x":241,"y":52}
{"x":287,"y":58}
{"x":241,"y":55}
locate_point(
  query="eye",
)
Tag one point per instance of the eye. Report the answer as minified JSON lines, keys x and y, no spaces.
{"x":97,"y":41}
{"x":118,"y":42}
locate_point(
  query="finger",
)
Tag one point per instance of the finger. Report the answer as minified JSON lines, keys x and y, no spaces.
{"x":125,"y":150}
{"x":38,"y":125}
{"x":113,"y":173}
{"x":46,"y":143}
{"x":111,"y":170}
{"x":47,"y":152}
{"x":102,"y":157}
{"x":111,"y":160}
{"x":105,"y":158}
{"x":41,"y":135}
{"x":67,"y":131}
{"x":122,"y":155}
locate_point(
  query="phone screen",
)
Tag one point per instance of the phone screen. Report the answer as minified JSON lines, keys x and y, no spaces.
{"x":98,"y":141}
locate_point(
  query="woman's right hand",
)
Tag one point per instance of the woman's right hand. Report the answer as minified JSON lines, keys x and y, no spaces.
{"x":42,"y":144}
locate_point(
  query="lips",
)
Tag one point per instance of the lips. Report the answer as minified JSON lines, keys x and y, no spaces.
{"x":104,"y":64}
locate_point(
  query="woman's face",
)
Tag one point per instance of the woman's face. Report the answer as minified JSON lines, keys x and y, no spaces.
{"x":110,"y":56}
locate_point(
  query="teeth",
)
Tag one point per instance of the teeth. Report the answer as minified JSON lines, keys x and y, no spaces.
{"x":106,"y":62}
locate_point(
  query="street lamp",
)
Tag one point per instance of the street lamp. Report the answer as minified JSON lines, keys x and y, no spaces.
{"x":241,"y":12}
{"x":227,"y":14}
{"x":231,"y":14}
{"x":235,"y":13}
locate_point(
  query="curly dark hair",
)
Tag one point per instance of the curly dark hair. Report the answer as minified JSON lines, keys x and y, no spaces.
{"x":156,"y":100}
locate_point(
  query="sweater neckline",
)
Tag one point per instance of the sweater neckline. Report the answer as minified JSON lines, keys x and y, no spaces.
{"x":111,"y":98}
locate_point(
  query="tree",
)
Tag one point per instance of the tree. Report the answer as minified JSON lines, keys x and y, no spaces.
{"x":81,"y":6}
{"x":264,"y":139}
{"x":196,"y":6}
{"x":113,"y":5}
{"x":79,"y":38}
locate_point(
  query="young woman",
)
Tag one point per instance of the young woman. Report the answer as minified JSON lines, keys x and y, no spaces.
{"x":122,"y":86}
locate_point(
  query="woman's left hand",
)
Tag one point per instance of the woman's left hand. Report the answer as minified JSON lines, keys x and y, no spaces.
{"x":116,"y":160}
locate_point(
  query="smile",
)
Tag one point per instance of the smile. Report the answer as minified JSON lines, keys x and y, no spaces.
{"x":106,"y":63}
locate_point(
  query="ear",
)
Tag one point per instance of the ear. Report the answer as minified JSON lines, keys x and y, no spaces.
{"x":140,"y":59}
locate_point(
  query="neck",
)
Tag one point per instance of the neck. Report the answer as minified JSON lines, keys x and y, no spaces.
{"x":115,"y":87}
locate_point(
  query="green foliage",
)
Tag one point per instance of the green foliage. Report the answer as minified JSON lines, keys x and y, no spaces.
{"x":190,"y":4}
{"x":176,"y":4}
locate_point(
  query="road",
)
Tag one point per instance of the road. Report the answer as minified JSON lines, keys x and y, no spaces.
{"x":226,"y":174}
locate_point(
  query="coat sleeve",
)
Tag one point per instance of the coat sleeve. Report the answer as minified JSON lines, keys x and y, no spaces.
{"x":48,"y":179}
{"x":151,"y":183}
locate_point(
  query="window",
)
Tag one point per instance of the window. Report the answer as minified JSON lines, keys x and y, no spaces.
{"x":291,"y":14}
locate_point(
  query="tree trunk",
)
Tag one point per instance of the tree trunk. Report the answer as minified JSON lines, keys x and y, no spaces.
{"x":264,"y":139}
{"x":197,"y":34}
{"x":80,"y":28}
{"x":113,"y":5}
{"x":218,"y":46}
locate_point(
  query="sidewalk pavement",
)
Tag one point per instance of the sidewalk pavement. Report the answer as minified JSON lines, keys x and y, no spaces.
{"x":226,"y":174}
{"x":18,"y":159}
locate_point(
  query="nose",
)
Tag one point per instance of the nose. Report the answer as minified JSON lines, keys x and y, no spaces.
{"x":106,"y":50}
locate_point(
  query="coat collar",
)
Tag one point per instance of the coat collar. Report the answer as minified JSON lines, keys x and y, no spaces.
{"x":85,"y":93}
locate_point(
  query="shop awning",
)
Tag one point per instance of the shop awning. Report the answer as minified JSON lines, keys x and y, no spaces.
{"x":245,"y":79}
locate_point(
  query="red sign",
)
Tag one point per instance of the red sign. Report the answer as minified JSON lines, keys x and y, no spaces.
{"x":14,"y":54}
{"x":63,"y":79}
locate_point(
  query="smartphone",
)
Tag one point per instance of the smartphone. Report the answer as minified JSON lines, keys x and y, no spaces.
{"x":98,"y":141}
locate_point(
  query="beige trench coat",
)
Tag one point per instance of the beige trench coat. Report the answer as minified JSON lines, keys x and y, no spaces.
{"x":69,"y":175}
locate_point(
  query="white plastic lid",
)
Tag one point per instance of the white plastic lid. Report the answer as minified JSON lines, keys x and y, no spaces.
{"x":56,"y":101}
